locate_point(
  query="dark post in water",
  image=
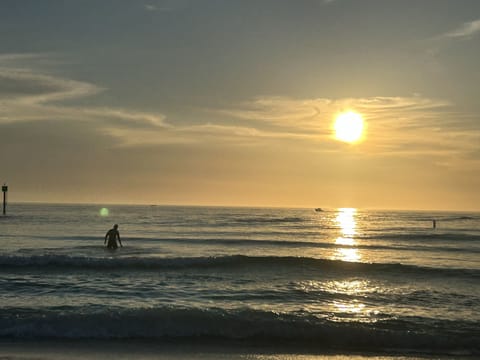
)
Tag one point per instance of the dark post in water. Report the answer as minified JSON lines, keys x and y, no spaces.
{"x":4,"y":190}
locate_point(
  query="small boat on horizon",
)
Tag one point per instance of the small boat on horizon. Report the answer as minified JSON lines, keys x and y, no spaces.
{"x":318,"y":209}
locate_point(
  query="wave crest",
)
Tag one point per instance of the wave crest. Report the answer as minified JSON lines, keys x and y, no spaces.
{"x":224,"y":262}
{"x":239,"y":324}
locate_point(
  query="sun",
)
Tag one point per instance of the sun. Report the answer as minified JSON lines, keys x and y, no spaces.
{"x":349,"y":127}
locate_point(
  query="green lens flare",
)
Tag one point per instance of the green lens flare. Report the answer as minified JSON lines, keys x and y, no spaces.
{"x":103,"y":212}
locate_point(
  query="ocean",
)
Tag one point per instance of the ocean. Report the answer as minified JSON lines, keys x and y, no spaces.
{"x":336,"y":282}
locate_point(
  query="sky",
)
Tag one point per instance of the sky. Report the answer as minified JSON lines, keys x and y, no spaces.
{"x":233,"y":103}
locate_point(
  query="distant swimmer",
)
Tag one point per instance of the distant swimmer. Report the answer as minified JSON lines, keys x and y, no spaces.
{"x":112,"y":235}
{"x":434,"y":224}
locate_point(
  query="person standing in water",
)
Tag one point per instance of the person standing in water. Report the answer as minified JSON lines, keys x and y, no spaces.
{"x":111,"y":236}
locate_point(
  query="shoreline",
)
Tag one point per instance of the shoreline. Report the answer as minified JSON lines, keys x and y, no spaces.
{"x":30,"y":349}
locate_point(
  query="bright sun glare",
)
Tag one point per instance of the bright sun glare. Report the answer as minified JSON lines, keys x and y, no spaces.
{"x":349,"y":127}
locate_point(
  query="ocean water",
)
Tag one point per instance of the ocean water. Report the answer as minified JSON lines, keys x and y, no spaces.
{"x":341,"y":280}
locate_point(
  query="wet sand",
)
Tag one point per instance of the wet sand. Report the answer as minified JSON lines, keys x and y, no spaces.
{"x":147,"y":350}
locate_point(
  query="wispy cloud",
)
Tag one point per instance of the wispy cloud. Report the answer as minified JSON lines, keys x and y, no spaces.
{"x":434,"y":45}
{"x":5,"y":58}
{"x":313,"y":114}
{"x":30,"y":95}
{"x":30,"y":87}
{"x":465,"y":30}
{"x":395,"y":125}
{"x":151,"y":7}
{"x":27,"y":94}
{"x":155,"y":7}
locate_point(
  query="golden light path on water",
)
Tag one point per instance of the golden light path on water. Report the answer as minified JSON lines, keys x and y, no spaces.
{"x":347,"y":251}
{"x":348,"y":291}
{"x":347,"y":224}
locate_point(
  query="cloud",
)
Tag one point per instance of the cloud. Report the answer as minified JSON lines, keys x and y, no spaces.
{"x":395,"y":125}
{"x":399,"y":126}
{"x":165,"y":7}
{"x":434,"y":45}
{"x":131,"y":117}
{"x":151,"y":7}
{"x":312,"y":114}
{"x":29,"y":87}
{"x":280,"y":111}
{"x":465,"y":30}
{"x":30,"y":95}
{"x":231,"y":132}
{"x":14,"y":57}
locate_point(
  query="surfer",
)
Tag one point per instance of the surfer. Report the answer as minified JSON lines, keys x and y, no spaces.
{"x":112,"y":235}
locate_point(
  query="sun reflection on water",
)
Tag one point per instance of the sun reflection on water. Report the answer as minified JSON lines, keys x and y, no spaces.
{"x":347,"y":224}
{"x":349,"y":287}
{"x":350,"y":255}
{"x":351,"y":307}
{"x":345,"y":241}
{"x":344,"y":299}
{"x":354,"y":309}
{"x":346,"y":220}
{"x":349,"y":303}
